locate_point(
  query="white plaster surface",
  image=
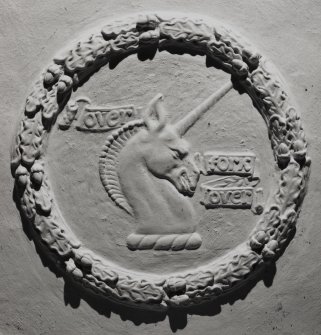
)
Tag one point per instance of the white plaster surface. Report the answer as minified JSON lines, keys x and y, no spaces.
{"x":32,"y":299}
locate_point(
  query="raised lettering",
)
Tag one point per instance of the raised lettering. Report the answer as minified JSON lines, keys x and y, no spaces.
{"x":214,"y":197}
{"x":223,"y":163}
{"x":227,"y":164}
{"x":236,"y":198}
{"x":101,"y":118}
{"x":113,"y":118}
{"x":89,"y":120}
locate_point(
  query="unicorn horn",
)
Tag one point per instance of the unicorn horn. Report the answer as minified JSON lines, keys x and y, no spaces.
{"x":195,"y":114}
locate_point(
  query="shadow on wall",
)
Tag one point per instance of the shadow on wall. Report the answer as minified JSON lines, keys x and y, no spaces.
{"x":178,"y":318}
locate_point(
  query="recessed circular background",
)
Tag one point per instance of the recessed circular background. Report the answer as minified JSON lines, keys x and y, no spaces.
{"x":233,"y":125}
{"x":186,"y":72}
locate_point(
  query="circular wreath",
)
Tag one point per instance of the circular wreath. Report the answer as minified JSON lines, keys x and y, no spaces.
{"x":251,"y":73}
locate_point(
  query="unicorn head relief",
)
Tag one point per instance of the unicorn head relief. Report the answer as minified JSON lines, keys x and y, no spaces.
{"x":148,"y":169}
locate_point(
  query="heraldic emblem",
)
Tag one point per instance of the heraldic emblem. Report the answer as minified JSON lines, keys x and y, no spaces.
{"x":152,"y":175}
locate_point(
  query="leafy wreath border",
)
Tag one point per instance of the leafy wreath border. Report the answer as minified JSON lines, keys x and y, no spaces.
{"x":253,"y":74}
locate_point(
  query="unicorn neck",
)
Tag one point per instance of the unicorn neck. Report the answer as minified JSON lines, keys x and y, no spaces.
{"x":158,"y":207}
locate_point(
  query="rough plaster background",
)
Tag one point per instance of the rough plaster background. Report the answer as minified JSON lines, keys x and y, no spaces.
{"x":33,"y":300}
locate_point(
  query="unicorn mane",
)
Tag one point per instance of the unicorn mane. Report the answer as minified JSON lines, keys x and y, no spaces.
{"x":109,"y":162}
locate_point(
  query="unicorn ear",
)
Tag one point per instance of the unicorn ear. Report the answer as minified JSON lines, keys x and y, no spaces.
{"x":155,"y":114}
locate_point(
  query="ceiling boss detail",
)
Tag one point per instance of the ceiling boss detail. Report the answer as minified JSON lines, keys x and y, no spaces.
{"x":149,"y":170}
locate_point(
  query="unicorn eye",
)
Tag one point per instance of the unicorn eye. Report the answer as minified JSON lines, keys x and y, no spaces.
{"x":176,"y":154}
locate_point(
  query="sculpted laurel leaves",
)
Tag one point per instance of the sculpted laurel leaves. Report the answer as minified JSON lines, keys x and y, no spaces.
{"x":100,"y":272}
{"x":289,"y":186}
{"x":31,"y":140}
{"x":200,"y":280}
{"x":28,"y":202}
{"x":16,"y":154}
{"x":185,"y":29}
{"x":139,"y":291}
{"x":53,"y":235}
{"x":43,"y":199}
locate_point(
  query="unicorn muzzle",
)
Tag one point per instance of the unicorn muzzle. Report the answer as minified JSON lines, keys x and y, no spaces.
{"x":188,"y":182}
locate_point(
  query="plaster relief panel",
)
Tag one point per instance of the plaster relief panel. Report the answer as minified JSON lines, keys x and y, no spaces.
{"x":161,"y":162}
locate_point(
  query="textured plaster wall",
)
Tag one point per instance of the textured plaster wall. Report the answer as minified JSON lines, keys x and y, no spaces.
{"x":33,"y":300}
